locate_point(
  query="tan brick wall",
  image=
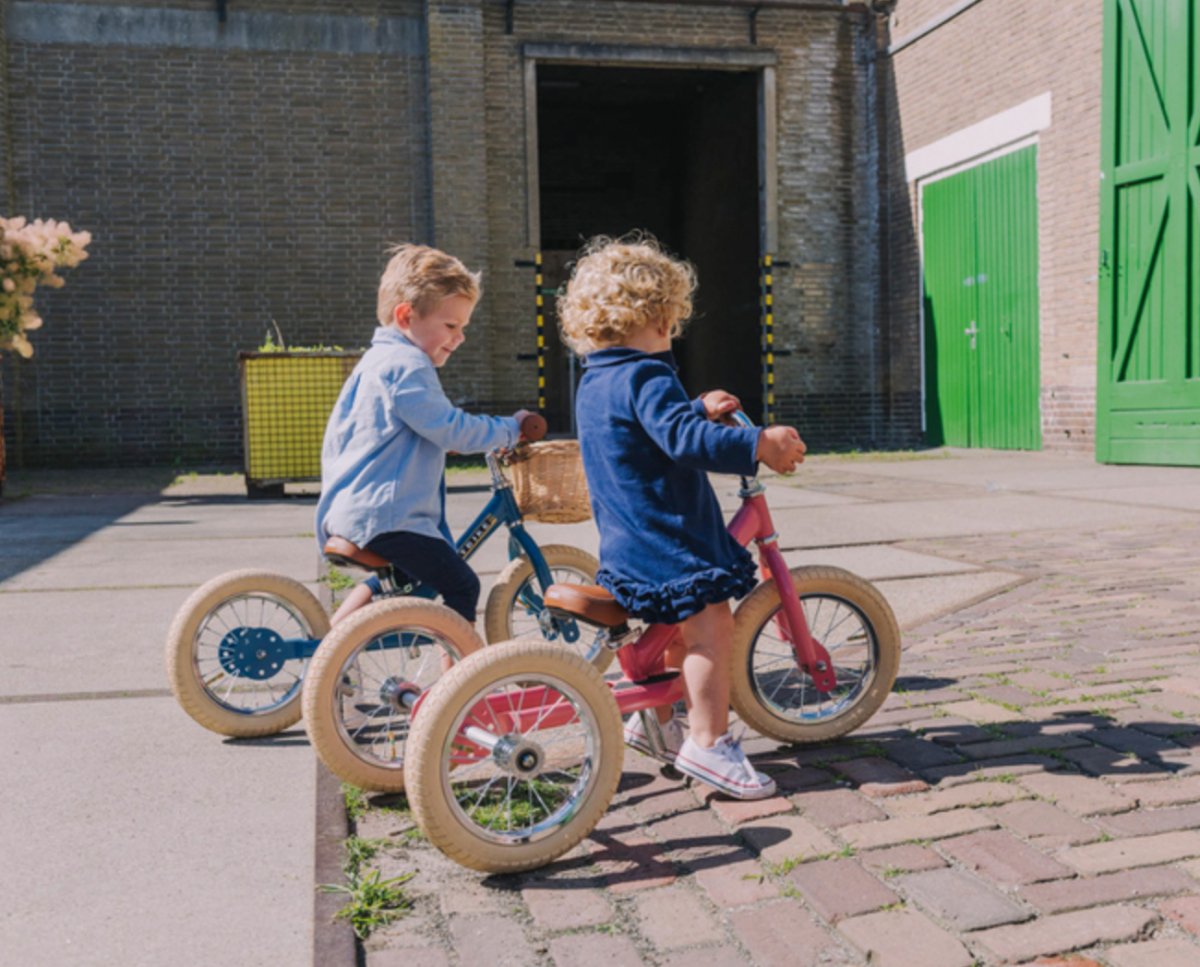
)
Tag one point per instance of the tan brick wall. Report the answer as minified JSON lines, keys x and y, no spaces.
{"x":227,"y":187}
{"x":838,"y":382}
{"x":992,"y":57}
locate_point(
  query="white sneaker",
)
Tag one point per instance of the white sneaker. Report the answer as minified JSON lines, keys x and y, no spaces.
{"x":635,"y":735}
{"x":724,"y":767}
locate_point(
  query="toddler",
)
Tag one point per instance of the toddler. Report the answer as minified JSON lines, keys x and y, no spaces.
{"x":665,"y":553}
{"x":384,"y":455}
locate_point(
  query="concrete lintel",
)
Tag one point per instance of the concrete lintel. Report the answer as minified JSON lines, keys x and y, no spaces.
{"x":108,"y":25}
{"x":976,"y":140}
{"x":711,"y":58}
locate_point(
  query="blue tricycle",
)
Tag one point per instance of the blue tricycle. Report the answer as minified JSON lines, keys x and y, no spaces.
{"x":239,"y":649}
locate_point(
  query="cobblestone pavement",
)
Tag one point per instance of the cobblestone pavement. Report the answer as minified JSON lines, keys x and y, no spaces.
{"x":1029,"y":793}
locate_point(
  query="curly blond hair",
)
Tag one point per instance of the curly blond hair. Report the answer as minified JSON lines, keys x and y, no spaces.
{"x":620,"y":285}
{"x":423,"y":277}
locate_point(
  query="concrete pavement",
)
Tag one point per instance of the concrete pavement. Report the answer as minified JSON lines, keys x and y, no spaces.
{"x":1031,"y":789}
{"x":1042,"y":729}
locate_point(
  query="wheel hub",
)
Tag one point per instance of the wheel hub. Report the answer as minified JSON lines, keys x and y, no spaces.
{"x":258,"y":653}
{"x":517,"y":756}
{"x":393,"y":691}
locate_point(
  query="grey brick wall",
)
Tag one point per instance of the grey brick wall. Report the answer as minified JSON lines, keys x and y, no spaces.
{"x":254,"y":172}
{"x":225,"y":188}
{"x":993,"y":56}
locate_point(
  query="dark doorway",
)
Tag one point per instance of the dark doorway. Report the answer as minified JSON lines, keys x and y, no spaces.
{"x":674,"y":152}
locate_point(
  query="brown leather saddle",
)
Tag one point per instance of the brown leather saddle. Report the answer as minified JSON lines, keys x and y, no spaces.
{"x":342,"y":552}
{"x":587,"y":602}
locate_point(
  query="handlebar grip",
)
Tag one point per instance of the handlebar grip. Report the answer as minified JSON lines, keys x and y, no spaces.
{"x":533,"y":427}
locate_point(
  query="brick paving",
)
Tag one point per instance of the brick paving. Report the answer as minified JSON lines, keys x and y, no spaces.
{"x":1029,"y":793}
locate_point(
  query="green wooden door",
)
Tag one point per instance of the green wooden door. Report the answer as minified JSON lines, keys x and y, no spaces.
{"x":1148,"y":378}
{"x":979,"y":232}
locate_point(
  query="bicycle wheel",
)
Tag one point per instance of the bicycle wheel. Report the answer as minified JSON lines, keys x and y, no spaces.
{"x":228,"y":658}
{"x":353,"y":698}
{"x":544,"y":785}
{"x":514,"y":605}
{"x":855,"y":624}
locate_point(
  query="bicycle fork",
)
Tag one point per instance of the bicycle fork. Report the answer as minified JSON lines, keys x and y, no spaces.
{"x":753,"y":522}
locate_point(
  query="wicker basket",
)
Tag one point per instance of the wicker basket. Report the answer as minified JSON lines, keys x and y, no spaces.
{"x":548,"y":482}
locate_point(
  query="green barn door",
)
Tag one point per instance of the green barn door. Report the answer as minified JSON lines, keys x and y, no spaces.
{"x":979,"y":231}
{"x":1148,"y":379}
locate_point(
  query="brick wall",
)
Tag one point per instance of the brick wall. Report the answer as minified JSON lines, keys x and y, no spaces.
{"x":993,"y":56}
{"x":837,"y":381}
{"x":226,"y":186}
{"x":252,"y":172}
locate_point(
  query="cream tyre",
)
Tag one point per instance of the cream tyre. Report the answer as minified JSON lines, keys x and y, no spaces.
{"x":506,"y":616}
{"x":855,"y":624}
{"x":544,"y":787}
{"x":228,"y":662}
{"x":353,"y":708}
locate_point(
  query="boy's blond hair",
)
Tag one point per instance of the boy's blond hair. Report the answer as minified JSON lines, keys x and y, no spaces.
{"x":619,"y":286}
{"x":422,"y":276}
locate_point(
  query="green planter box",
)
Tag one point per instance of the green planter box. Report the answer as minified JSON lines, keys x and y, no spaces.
{"x":286,"y":401}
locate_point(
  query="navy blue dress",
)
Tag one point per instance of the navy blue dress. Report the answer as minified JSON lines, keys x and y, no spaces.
{"x":665,"y":553}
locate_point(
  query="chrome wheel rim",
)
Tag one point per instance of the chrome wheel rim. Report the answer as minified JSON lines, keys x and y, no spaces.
{"x":497,"y":801}
{"x":372,"y":721}
{"x":786,"y":690}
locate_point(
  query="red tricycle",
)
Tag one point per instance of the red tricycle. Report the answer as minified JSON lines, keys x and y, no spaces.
{"x":515,"y":753}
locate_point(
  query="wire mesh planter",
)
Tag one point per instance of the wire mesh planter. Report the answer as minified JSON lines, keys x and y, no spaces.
{"x":286,"y":401}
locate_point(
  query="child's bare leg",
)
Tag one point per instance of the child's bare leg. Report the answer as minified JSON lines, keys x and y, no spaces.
{"x":360,"y":595}
{"x":706,"y":672}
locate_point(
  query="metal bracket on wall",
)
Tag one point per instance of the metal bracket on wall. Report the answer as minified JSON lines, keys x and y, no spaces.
{"x":222,"y":13}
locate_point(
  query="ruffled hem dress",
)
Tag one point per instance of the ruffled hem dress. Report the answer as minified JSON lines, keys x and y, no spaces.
{"x":665,"y":552}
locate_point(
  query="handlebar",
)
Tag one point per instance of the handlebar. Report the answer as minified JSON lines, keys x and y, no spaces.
{"x":741,"y":419}
{"x":533,"y":427}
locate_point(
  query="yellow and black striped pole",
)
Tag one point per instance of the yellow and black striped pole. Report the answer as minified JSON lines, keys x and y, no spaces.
{"x":539,"y":313}
{"x":541,"y":332}
{"x":766,"y":285}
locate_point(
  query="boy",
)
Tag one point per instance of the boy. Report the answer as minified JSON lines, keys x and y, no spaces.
{"x":384,"y":454}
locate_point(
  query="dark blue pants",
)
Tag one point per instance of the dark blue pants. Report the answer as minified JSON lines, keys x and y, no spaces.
{"x":433,"y":562}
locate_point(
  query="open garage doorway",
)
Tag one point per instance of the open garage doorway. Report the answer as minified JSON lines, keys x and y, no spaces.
{"x":674,"y":152}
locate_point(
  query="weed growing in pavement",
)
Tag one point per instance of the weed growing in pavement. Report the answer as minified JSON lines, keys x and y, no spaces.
{"x":785,"y":866}
{"x":1054,"y":754}
{"x":374,"y":902}
{"x":359,"y":851}
{"x":392,"y":803}
{"x":870,"y":747}
{"x":356,"y":802}
{"x":891,"y":872}
{"x":337,"y":579}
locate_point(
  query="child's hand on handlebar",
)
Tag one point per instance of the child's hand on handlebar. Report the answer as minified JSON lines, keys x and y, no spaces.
{"x":533,"y":425}
{"x":718,"y":403}
{"x":780,"y":448}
